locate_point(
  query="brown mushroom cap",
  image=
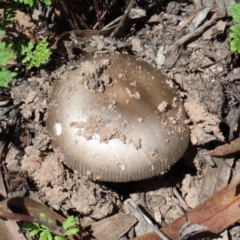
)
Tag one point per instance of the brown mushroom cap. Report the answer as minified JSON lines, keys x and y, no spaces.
{"x":116,"y":119}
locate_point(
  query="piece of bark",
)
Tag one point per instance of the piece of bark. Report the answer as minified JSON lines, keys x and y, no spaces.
{"x":220,"y":26}
{"x":226,"y":149}
{"x":113,"y":227}
{"x":173,"y":57}
{"x":9,"y":230}
{"x":202,"y":14}
{"x":187,"y":21}
{"x":217,"y":213}
{"x":221,"y":8}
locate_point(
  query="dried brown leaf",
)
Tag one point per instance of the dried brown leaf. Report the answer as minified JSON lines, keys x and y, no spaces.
{"x":217,"y":213}
{"x":226,"y":149}
{"x":10,"y":231}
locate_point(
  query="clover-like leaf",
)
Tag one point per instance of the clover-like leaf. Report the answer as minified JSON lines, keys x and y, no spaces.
{"x":71,"y":232}
{"x":45,"y":235}
{"x":58,"y":238}
{"x":69,"y":222}
{"x":33,"y":233}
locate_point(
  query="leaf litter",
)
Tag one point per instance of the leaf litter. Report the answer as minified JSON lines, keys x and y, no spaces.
{"x":204,"y":95}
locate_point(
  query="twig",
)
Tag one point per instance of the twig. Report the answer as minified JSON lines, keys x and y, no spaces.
{"x":179,"y":197}
{"x":98,"y":14}
{"x":111,"y":23}
{"x":2,"y":187}
{"x":147,"y":219}
{"x":130,"y":5}
{"x":211,"y":64}
{"x":107,"y":8}
{"x":197,"y":31}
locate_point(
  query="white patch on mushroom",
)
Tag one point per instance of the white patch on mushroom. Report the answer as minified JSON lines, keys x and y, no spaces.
{"x":58,"y":128}
{"x":122,"y":166}
{"x":96,"y":136}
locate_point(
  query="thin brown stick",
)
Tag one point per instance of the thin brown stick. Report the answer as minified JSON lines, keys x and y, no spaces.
{"x":197,"y":32}
{"x":2,"y":186}
{"x":130,"y":5}
{"x":98,"y":13}
{"x":211,"y":64}
{"x":101,"y":17}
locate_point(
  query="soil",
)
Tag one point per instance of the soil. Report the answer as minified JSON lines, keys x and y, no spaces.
{"x":202,"y":70}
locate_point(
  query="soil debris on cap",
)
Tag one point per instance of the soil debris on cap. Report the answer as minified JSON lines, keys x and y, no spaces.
{"x":162,"y":106}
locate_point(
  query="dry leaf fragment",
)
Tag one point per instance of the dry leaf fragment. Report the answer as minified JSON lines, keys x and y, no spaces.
{"x":226,"y":149}
{"x":187,"y":21}
{"x":217,"y":213}
{"x":201,"y":15}
{"x":113,"y":227}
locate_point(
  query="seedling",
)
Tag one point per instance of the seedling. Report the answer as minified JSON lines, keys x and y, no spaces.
{"x":38,"y":56}
{"x":46,"y":233}
{"x":235,"y":34}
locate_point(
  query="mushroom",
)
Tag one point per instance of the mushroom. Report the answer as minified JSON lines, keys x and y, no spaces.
{"x":116,"y":119}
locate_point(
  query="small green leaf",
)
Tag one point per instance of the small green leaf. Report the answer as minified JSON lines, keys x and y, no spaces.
{"x":31,"y":226}
{"x":235,"y":46}
{"x":71,"y":232}
{"x":234,"y":35}
{"x":42,"y":214}
{"x":6,"y":77}
{"x":44,"y":227}
{"x":33,"y":233}
{"x":5,"y":53}
{"x":27,"y":50}
{"x":2,"y":32}
{"x":235,"y":10}
{"x":50,"y":220}
{"x":235,"y":28}
{"x":45,"y":235}
{"x":58,"y":238}
{"x":29,"y":2}
{"x":48,"y":2}
{"x":69,"y":222}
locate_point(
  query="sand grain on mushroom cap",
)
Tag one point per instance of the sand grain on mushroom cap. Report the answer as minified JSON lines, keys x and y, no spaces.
{"x":90,"y":122}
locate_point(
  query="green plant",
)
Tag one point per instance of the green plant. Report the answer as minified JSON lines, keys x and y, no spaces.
{"x":33,"y":3}
{"x":6,"y":54}
{"x":235,"y":34}
{"x":38,"y":56}
{"x":32,"y":54}
{"x":45,"y":233}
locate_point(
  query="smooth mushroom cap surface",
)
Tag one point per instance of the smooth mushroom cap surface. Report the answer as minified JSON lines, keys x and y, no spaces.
{"x":116,"y":119}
